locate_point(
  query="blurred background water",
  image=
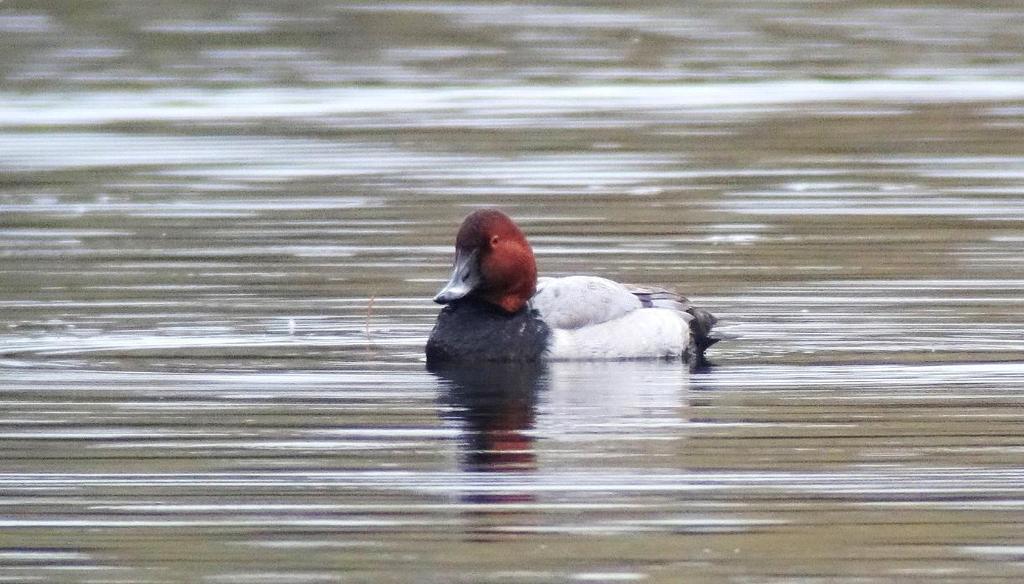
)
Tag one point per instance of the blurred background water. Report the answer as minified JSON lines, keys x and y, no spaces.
{"x":222,"y":224}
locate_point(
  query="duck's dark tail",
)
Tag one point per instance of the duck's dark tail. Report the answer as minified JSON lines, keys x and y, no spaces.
{"x":700,"y":327}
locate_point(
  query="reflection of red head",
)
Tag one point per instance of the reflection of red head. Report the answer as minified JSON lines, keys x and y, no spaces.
{"x":500,"y":442}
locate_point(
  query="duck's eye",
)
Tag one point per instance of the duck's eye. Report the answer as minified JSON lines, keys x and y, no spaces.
{"x":494,"y":240}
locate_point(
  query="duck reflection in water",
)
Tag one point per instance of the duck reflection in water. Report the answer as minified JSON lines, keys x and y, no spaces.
{"x":523,"y":425}
{"x":495,"y":407}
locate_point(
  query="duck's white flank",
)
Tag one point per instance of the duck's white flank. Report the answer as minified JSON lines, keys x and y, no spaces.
{"x":594,"y":318}
{"x":644,"y":333}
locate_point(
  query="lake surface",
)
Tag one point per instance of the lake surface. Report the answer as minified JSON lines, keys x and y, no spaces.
{"x":222,"y":224}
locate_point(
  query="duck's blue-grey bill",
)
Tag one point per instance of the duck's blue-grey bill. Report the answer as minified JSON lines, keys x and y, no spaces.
{"x":465,"y":277}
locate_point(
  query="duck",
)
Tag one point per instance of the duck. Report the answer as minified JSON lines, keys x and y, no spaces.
{"x":496,"y":309}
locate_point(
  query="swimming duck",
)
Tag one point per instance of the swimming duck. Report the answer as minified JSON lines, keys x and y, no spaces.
{"x":497,"y":309}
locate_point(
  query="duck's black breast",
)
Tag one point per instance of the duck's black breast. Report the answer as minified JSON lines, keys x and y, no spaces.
{"x":473,"y":330}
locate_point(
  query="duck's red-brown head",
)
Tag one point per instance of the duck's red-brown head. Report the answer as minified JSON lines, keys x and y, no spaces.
{"x":492,"y":261}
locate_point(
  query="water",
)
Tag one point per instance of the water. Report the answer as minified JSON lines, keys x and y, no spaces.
{"x":222,"y":224}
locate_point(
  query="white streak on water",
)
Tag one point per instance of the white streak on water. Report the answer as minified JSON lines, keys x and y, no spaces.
{"x":105,"y":107}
